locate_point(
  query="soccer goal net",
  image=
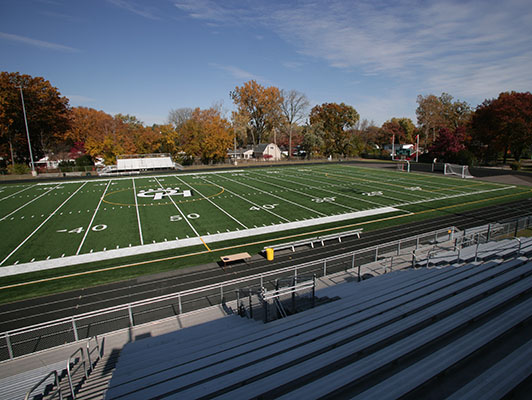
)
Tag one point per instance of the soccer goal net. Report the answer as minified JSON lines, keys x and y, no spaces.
{"x":403,"y":166}
{"x":458,"y":170}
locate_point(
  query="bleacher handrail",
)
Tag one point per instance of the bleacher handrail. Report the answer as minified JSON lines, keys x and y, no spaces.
{"x":52,"y":393}
{"x":77,"y":366}
{"x":96,"y":348}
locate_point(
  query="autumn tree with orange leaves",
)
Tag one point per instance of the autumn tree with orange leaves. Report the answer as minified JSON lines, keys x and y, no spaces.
{"x":205,"y":136}
{"x":47,"y":115}
{"x":260,"y":106}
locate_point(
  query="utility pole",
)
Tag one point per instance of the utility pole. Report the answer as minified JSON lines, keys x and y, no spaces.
{"x":33,"y":172}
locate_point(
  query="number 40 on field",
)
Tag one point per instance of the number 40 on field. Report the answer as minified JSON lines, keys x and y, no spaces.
{"x":95,"y":228}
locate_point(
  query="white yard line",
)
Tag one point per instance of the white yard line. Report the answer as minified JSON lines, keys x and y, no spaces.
{"x":39,"y":227}
{"x":213,"y":203}
{"x":306,"y":194}
{"x":92,"y":219}
{"x":454,"y":196}
{"x":369,"y":184}
{"x":249,"y":201}
{"x":14,"y":194}
{"x":29,"y":202}
{"x":180,"y":212}
{"x":279,"y":197}
{"x":137,"y":208}
{"x":123,"y":178}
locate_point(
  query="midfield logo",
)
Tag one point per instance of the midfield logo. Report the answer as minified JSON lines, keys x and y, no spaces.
{"x":158,"y":194}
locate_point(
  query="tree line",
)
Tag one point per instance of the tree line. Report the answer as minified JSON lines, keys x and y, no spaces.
{"x":448,"y":129}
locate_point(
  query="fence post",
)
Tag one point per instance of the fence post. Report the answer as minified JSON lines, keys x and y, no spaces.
{"x":9,"y":348}
{"x":76,"y":338}
{"x":325,"y":268}
{"x":179,"y":301}
{"x":376,"y":253}
{"x":221,"y":292}
{"x":399,"y":247}
{"x":417,"y":242}
{"x":353,"y":261}
{"x":130,"y":315}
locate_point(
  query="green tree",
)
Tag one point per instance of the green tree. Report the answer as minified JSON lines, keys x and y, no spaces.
{"x":336,"y":120}
{"x":313,"y":140}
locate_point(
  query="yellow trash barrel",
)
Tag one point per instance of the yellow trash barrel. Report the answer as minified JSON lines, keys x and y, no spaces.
{"x":269,"y":254}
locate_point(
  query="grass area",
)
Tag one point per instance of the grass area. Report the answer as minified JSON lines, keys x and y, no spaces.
{"x":40,"y":221}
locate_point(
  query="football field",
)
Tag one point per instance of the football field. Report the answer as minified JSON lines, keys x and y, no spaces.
{"x":84,"y":220}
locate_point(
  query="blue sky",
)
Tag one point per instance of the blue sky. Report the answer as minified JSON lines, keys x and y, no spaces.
{"x":145,"y":57}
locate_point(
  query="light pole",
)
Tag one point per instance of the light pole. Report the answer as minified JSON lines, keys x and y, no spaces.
{"x":33,"y":172}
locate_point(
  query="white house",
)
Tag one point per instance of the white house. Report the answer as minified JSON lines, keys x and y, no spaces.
{"x":267,"y":151}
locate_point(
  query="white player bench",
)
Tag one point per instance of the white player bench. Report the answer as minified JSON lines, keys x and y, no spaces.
{"x":340,"y":235}
{"x":310,"y":241}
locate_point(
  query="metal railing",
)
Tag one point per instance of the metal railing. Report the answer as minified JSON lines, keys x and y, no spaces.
{"x":484,"y":234}
{"x":52,"y":393}
{"x":73,"y":365}
{"x":18,"y":342}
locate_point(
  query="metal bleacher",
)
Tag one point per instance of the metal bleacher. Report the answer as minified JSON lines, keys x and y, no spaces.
{"x":385,"y":337}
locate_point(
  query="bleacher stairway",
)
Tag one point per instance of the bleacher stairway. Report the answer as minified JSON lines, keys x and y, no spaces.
{"x":461,"y":330}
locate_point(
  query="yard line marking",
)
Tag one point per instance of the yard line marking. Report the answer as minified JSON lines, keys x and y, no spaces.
{"x":243,"y":198}
{"x":180,"y":212}
{"x":306,"y":194}
{"x":214,"y":204}
{"x":279,"y":197}
{"x":14,"y":194}
{"x":137,"y":208}
{"x":298,"y":176}
{"x":367,"y":183}
{"x":39,"y":227}
{"x":205,"y":244}
{"x":25,"y":204}
{"x":92,"y":219}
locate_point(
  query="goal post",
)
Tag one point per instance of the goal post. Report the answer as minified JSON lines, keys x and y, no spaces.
{"x":403,"y":166}
{"x":459,"y":170}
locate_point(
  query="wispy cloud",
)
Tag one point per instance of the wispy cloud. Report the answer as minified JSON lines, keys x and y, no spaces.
{"x":143,"y":11}
{"x":238,"y":73}
{"x":79,"y":99}
{"x":216,"y":13}
{"x":37,"y":43}
{"x":466,"y":47}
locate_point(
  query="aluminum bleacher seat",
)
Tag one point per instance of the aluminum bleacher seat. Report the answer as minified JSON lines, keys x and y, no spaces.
{"x":16,"y":387}
{"x":158,"y":356}
{"x":281,"y":357}
{"x":496,"y":382}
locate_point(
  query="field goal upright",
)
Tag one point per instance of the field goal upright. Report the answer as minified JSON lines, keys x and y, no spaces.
{"x":459,"y":170}
{"x":403,"y":166}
